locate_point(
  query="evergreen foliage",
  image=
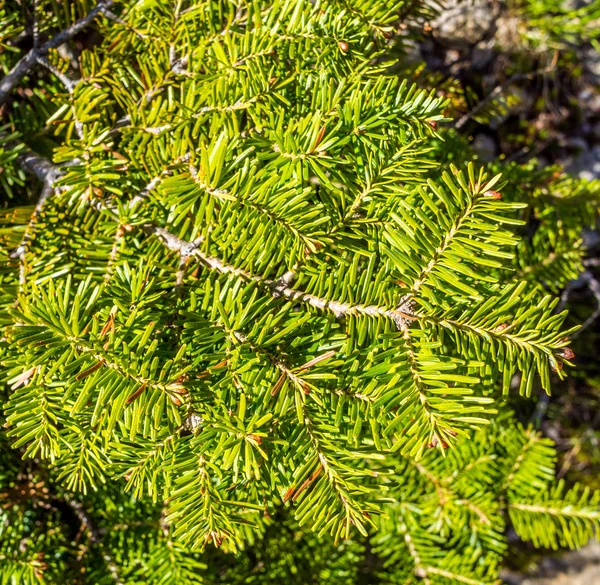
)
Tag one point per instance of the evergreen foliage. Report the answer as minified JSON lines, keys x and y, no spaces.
{"x":259,"y":299}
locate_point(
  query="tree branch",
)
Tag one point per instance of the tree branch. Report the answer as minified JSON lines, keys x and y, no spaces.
{"x":26,"y":63}
{"x":402,"y":316}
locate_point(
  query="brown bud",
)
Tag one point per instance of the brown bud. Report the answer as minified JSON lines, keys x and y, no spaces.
{"x":567,"y":353}
{"x":343,"y":45}
{"x":120,"y":232}
{"x":492,"y":194}
{"x":174,"y":399}
{"x":433,"y":124}
{"x":433,"y":443}
{"x":556,"y":366}
{"x":305,"y":387}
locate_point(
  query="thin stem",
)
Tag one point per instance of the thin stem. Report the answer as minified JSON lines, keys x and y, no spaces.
{"x":69,"y":86}
{"x":402,"y":316}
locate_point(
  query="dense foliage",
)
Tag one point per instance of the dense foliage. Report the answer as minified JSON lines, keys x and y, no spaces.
{"x":260,"y":313}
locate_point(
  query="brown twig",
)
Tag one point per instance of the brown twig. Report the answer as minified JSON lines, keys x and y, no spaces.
{"x":401,"y":315}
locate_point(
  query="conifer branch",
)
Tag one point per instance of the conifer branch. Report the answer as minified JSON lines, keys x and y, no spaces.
{"x":532,"y":438}
{"x":420,"y":386}
{"x":441,"y":248}
{"x":343,"y":322}
{"x":566,"y":511}
{"x":352,"y":512}
{"x":525,"y":342}
{"x":103,"y":360}
{"x":156,"y":180}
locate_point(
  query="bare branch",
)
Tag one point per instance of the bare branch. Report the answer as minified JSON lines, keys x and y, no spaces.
{"x":47,"y":173}
{"x":64,"y":79}
{"x":24,"y":66}
{"x":39,"y":166}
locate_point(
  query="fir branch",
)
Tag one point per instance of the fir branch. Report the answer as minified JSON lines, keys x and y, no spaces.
{"x":541,"y":508}
{"x":442,"y":247}
{"x":156,"y":180}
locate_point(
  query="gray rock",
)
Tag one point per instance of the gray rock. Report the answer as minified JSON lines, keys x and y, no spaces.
{"x":482,"y":58}
{"x":507,"y":36}
{"x":574,"y":568}
{"x":485,"y":147}
{"x":464,"y":23}
{"x":591,"y":62}
{"x":586,"y":165}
